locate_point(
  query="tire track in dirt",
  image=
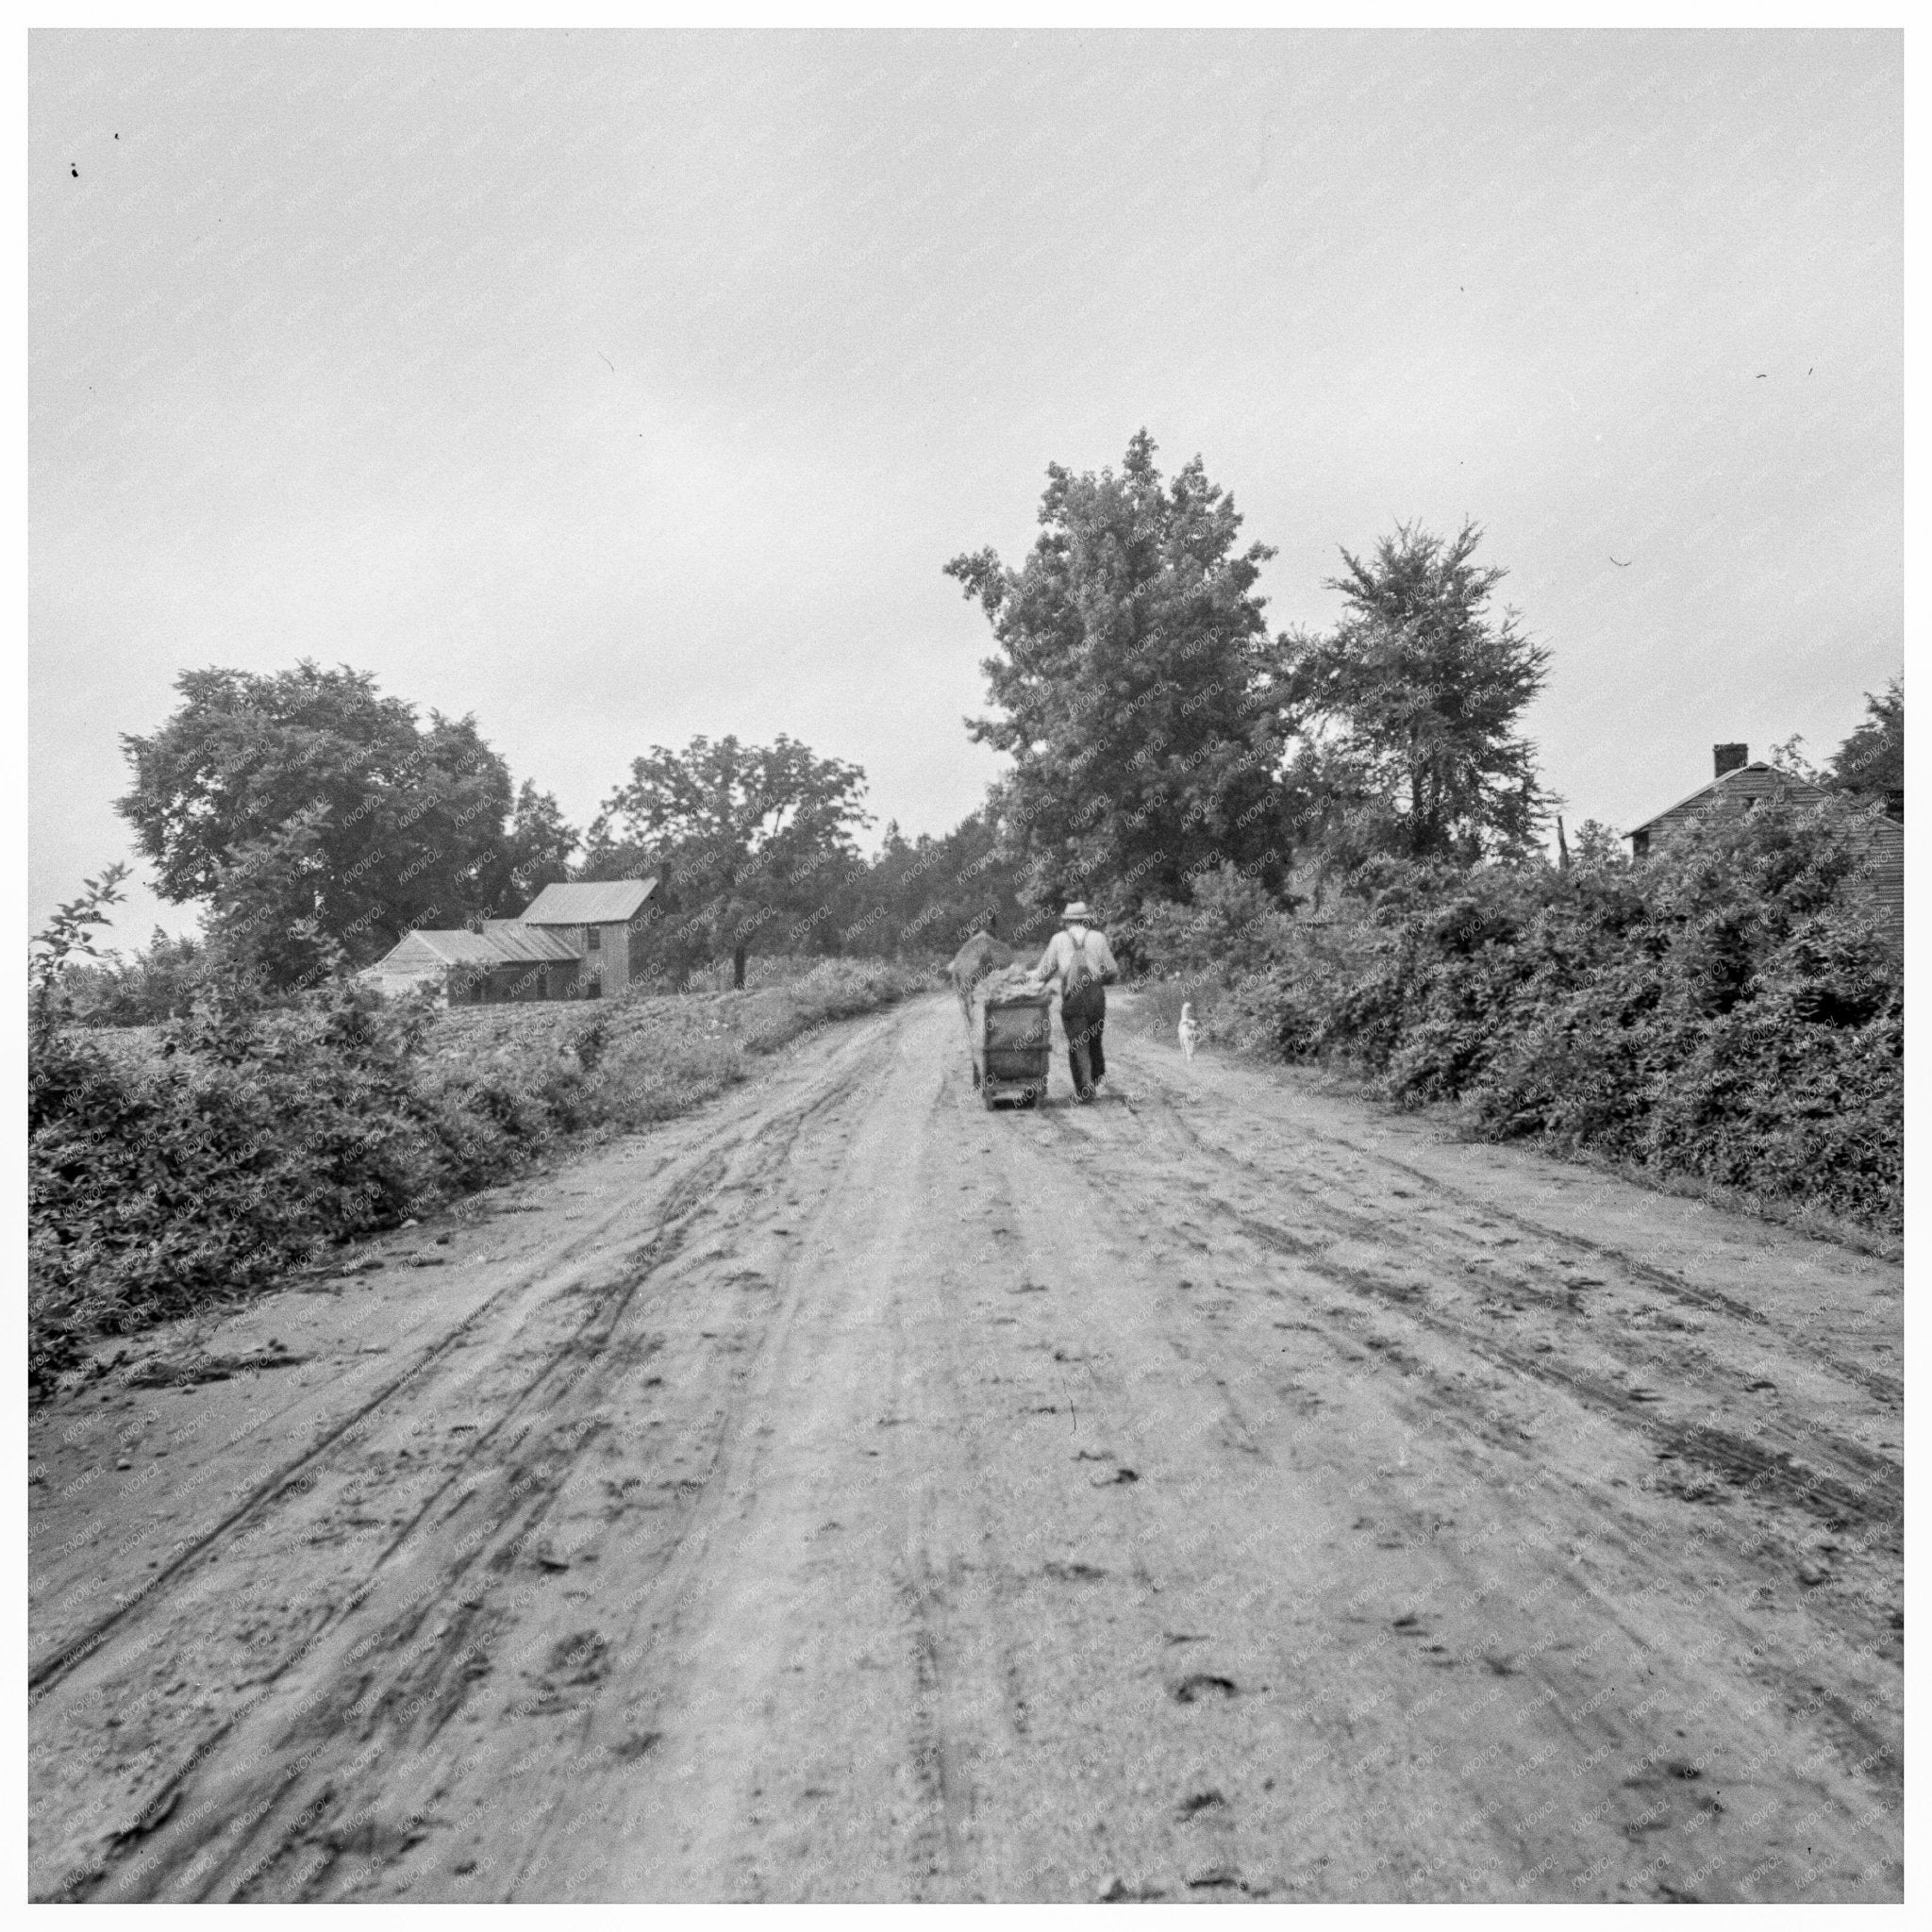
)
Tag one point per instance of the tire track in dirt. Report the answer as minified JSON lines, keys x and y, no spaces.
{"x":807,"y":1467}
{"x":1052,"y":1505}
{"x":573,"y":1387}
{"x":1773,"y":1475}
{"x":1856,"y":1481}
{"x":1887,"y":1388}
{"x":693,"y":1185}
{"x":1675,"y":1285}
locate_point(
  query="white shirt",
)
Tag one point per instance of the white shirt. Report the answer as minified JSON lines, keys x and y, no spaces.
{"x":1062,"y":952}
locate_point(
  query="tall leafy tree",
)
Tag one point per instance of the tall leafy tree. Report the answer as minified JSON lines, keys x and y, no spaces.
{"x":317,"y":818}
{"x":537,"y":849}
{"x":1871,"y":763}
{"x":1133,"y":686}
{"x":924,"y":896}
{"x":747,"y":843}
{"x":1406,"y":716}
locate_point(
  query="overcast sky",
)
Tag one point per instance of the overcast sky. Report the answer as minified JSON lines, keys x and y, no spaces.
{"x":621,"y":386}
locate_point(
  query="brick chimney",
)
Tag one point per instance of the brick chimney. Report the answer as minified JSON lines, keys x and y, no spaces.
{"x":1731,"y":758}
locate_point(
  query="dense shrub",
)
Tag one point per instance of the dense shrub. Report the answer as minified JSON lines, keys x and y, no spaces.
{"x":247,"y":1137}
{"x":144,"y":989}
{"x":1727,"y":1009}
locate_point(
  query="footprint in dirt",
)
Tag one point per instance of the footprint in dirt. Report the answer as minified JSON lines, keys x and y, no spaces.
{"x":578,"y":1659}
{"x":1075,"y":1572}
{"x":1198,"y":1684}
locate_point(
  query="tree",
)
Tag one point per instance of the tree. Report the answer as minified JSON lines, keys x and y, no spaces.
{"x":314,"y":814}
{"x":747,"y":842}
{"x":1600,"y":847}
{"x":1871,"y":763}
{"x":537,"y":851}
{"x":1133,"y":680}
{"x":927,"y":896}
{"x":141,"y":989}
{"x":1406,"y":714}
{"x":1230,"y":927}
{"x":68,"y":934}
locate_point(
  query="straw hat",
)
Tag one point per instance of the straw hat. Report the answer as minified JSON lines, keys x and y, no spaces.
{"x":1076,"y":911}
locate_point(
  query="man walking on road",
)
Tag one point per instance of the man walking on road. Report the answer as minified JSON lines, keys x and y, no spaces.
{"x":1079,"y":958}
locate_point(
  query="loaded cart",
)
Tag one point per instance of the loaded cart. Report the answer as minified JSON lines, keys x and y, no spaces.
{"x":1012,"y":1042}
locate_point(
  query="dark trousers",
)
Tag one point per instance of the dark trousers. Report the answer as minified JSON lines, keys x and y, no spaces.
{"x":1085,"y":1024}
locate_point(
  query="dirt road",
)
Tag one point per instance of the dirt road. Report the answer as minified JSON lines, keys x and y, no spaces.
{"x":1223,"y":1490}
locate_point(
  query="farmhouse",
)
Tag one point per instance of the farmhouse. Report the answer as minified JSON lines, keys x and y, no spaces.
{"x":1740,"y":783}
{"x":573,"y":941}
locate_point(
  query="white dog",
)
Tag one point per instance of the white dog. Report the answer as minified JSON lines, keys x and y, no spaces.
{"x":1189,"y":1030}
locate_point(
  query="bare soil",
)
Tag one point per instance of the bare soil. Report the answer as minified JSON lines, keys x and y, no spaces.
{"x":1227,"y":1490}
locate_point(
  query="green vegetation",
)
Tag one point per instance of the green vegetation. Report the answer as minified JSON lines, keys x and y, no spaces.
{"x":319,"y":823}
{"x":749,"y":845}
{"x":250,"y":1136}
{"x":1404,"y":718}
{"x":1135,"y":687}
{"x":1727,"y":1010}
{"x":1329,"y":841}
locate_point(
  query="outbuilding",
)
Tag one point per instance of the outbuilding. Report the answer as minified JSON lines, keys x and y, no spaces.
{"x":502,"y":961}
{"x":573,"y":941}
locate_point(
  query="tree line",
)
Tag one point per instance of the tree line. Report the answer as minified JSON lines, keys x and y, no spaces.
{"x":1163,"y":751}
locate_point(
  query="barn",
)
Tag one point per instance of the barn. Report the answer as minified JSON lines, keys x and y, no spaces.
{"x":1739,"y":783}
{"x":572,"y":942}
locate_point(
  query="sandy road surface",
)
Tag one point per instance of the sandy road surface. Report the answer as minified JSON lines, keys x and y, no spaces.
{"x":1225,"y":1491}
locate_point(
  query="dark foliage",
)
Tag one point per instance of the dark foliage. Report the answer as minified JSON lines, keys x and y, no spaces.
{"x":1405,"y":717}
{"x":923,"y":898}
{"x":144,"y":989}
{"x":749,"y":845}
{"x":1133,"y":684}
{"x":315,"y":815}
{"x":1733,"y":1009}
{"x":1871,"y":763}
{"x":254,"y":1137}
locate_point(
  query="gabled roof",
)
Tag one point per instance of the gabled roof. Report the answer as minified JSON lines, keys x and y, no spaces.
{"x":1754,"y":780}
{"x":598,"y":902}
{"x":430,"y":948}
{"x":516,"y":940}
{"x":502,"y":942}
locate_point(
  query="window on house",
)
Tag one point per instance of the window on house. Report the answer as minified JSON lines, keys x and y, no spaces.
{"x":596,"y":939}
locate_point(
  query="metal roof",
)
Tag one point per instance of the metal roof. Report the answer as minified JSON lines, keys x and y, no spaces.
{"x":594,"y":902}
{"x":517,"y":940}
{"x":502,"y":942}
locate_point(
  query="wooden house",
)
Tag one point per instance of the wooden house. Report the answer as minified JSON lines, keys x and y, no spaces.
{"x":1739,"y":783}
{"x":573,"y":941}
{"x":597,"y":918}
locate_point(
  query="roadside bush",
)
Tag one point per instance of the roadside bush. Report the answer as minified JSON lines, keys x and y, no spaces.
{"x":252,"y":1137}
{"x":153,"y":986}
{"x":1231,"y":926}
{"x":1727,"y":1009}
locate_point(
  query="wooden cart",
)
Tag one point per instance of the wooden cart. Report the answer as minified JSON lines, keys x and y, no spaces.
{"x":1012,"y":1046}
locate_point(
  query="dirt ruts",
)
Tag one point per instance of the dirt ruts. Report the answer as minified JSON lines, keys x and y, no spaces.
{"x":1229,"y":1490}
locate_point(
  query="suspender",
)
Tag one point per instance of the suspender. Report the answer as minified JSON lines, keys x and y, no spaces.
{"x":1090,"y":984}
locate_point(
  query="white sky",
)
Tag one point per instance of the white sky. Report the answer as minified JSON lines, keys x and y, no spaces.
{"x":618,"y":388}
